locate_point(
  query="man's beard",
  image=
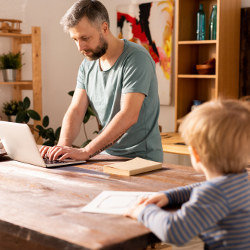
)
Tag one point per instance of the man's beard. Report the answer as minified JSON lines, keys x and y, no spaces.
{"x":99,"y":51}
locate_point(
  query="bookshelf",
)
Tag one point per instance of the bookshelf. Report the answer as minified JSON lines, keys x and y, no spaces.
{"x":35,"y":84}
{"x":224,"y":83}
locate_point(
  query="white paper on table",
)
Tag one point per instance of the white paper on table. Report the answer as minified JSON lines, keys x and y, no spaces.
{"x":114,"y":202}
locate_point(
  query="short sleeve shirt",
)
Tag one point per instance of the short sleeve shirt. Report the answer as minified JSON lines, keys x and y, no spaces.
{"x":133,"y":72}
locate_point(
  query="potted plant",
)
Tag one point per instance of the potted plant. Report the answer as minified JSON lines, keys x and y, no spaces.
{"x":10,"y":109}
{"x":20,"y":111}
{"x":9,"y":63}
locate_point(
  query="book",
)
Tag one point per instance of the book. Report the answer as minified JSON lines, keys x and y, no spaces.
{"x":132,"y":167}
{"x":114,"y":202}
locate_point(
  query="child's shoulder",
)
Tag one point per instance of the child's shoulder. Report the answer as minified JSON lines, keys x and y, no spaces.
{"x":226,"y":184}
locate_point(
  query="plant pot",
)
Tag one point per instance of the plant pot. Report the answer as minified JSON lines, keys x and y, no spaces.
{"x":11,"y":118}
{"x":9,"y":75}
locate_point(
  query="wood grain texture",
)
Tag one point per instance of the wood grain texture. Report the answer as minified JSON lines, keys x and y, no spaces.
{"x":173,"y":143}
{"x":41,"y":207}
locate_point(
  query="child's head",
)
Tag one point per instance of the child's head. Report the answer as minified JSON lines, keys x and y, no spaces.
{"x":220,"y":133}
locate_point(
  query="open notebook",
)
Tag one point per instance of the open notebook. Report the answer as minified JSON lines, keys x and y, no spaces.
{"x":20,"y":145}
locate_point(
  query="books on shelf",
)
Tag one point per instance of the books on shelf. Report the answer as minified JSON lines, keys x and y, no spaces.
{"x":132,"y":167}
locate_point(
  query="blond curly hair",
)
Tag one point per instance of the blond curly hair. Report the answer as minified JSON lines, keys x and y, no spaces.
{"x":220,"y":133}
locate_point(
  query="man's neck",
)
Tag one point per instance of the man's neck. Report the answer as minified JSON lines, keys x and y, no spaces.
{"x":115,"y":49}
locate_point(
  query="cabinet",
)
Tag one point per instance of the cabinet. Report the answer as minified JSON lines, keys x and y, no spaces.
{"x":189,"y":52}
{"x":35,"y":84}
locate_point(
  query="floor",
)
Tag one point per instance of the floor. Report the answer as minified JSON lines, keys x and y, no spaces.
{"x":194,"y":244}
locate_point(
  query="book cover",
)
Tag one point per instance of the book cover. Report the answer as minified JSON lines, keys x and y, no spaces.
{"x":132,"y":167}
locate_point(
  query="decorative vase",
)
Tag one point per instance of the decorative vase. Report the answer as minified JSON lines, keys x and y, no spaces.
{"x":9,"y":75}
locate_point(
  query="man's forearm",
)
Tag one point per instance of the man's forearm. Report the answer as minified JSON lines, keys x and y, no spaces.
{"x":111,"y":134}
{"x":70,"y":127}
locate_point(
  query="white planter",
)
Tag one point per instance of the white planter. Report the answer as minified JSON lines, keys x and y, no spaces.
{"x":9,"y":75}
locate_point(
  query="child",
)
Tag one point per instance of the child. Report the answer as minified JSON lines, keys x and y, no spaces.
{"x":218,"y":210}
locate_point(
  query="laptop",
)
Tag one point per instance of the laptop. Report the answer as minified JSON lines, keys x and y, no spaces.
{"x":20,"y":145}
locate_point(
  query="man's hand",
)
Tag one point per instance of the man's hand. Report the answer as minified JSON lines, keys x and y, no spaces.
{"x":63,"y":152}
{"x":158,"y":199}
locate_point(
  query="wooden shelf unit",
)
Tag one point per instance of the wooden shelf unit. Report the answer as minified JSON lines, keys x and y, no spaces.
{"x":36,"y":83}
{"x":189,"y":52}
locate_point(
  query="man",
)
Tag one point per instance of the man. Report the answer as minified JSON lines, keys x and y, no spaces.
{"x":117,"y":78}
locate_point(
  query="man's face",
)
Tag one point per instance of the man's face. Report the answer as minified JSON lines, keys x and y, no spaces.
{"x":89,"y":39}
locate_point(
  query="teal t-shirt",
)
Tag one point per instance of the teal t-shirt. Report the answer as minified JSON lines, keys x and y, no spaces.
{"x":133,"y":72}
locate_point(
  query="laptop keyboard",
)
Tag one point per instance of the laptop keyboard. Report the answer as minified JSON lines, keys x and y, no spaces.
{"x":47,"y":161}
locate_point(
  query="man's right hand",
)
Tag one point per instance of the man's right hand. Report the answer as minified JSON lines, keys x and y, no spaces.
{"x":63,"y":152}
{"x":43,"y":150}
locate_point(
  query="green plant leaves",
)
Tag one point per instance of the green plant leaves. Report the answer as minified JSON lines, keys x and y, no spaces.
{"x":21,"y":116}
{"x":10,"y":108}
{"x":88,"y":114}
{"x":10,"y":61}
{"x":34,"y":115}
{"x":26,"y":103}
{"x":71,"y":93}
{"x":46,"y":121}
{"x":86,"y":117}
{"x":49,"y":143}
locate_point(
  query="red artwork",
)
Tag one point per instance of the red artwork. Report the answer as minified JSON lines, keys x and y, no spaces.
{"x":151,"y":25}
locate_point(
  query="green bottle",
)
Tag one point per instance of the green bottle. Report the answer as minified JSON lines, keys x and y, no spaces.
{"x":201,"y":22}
{"x":213,"y":23}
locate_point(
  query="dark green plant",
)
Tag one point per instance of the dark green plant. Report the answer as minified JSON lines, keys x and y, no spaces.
{"x":24,"y":113}
{"x":51,"y":137}
{"x":10,"y":61}
{"x":10,"y":108}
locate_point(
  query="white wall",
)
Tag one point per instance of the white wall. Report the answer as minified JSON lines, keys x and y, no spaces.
{"x":245,"y":3}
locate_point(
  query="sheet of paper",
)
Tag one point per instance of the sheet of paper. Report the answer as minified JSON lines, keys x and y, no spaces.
{"x":114,"y":202}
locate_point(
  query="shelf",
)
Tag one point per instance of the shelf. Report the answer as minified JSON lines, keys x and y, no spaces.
{"x":14,"y":35}
{"x":194,"y":42}
{"x":197,"y":76}
{"x":17,"y":83}
{"x":173,"y":143}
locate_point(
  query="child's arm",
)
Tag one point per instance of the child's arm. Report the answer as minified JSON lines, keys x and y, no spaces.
{"x":175,"y":196}
{"x":205,"y":209}
{"x":180,"y":195}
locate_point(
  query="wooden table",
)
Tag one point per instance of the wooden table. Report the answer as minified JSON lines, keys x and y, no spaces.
{"x":40,"y":208}
{"x":173,"y":143}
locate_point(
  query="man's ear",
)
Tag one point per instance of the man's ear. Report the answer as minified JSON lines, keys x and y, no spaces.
{"x":193,"y":152}
{"x":105,"y":27}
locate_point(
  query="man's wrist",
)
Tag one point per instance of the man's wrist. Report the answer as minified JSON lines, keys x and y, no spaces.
{"x":64,"y":142}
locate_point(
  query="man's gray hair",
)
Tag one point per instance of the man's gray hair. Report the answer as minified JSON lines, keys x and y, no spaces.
{"x":94,"y":10}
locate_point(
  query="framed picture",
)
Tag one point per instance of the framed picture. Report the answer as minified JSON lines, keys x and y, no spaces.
{"x":151,"y":25}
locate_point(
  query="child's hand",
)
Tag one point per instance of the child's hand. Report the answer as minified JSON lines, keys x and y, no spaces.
{"x":158,"y":199}
{"x":135,"y":210}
